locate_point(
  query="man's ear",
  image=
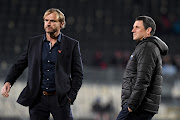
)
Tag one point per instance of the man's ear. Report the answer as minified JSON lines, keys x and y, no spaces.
{"x":61,"y":24}
{"x":148,"y":30}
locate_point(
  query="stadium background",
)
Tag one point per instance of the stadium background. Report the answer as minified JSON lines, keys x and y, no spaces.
{"x":103,"y":28}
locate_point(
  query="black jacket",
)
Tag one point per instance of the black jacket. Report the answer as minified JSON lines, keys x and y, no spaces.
{"x":142,"y":81}
{"x":68,"y":70}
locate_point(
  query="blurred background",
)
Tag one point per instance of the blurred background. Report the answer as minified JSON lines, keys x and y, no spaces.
{"x":103,"y":28}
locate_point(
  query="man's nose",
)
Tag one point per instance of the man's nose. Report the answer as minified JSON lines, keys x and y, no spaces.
{"x":132,"y":30}
{"x":49,"y":22}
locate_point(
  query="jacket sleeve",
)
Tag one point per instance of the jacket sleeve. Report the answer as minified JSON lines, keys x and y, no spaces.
{"x":18,"y":67}
{"x":76,"y":73}
{"x":146,"y":62}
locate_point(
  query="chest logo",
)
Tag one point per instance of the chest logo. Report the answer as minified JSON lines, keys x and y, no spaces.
{"x":131,"y":56}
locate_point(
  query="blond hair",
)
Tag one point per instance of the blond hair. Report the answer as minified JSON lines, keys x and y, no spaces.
{"x":59,"y":14}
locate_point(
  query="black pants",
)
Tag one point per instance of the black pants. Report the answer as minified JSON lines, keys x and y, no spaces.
{"x":42,"y":107}
{"x":136,"y":115}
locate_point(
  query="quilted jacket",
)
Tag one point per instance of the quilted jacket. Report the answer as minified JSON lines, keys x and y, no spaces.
{"x":142,"y":80}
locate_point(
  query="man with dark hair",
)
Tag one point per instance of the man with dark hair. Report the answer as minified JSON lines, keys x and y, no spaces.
{"x":55,"y":71}
{"x":142,"y":81}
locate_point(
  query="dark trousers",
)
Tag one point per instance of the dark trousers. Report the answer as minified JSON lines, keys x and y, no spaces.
{"x":44,"y":105}
{"x":136,"y":115}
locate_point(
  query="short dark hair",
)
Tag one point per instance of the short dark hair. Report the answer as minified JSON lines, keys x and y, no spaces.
{"x":148,"y":22}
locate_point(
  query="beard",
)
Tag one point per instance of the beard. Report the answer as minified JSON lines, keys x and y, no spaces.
{"x":50,"y":30}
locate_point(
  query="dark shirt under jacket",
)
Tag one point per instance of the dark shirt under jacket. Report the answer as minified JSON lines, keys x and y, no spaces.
{"x":49,"y":56}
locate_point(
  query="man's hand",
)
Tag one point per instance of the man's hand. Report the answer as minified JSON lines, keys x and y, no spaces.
{"x":6,"y":89}
{"x":129,"y":109}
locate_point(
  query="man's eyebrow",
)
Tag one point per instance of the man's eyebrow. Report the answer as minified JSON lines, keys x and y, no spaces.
{"x":136,"y":26}
{"x":50,"y":20}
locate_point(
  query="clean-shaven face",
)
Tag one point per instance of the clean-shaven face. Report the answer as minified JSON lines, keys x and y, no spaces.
{"x":139,"y":32}
{"x":51,"y":23}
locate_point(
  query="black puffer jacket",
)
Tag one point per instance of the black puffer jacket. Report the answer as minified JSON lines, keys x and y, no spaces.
{"x":142,"y":81}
